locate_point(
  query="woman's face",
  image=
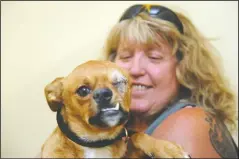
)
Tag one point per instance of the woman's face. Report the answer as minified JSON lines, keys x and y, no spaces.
{"x":153,"y":72}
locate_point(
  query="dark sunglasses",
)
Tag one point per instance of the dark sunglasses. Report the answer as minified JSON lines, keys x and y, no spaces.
{"x":154,"y":11}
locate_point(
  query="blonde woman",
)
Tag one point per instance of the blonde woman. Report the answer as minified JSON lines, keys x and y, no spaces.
{"x":179,"y":93}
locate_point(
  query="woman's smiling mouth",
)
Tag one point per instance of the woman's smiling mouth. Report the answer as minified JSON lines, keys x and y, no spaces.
{"x":139,"y":89}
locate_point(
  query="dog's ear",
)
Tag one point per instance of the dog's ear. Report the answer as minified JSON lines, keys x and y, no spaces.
{"x":53,"y":93}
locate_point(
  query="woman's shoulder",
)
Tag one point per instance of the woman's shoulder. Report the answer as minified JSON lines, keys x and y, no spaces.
{"x":199,"y":132}
{"x":187,"y":122}
{"x":188,"y":118}
{"x":190,"y":114}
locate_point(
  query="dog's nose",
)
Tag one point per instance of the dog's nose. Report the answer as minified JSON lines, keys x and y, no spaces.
{"x":102,"y":95}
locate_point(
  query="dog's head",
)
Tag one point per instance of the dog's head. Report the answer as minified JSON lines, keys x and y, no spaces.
{"x":96,"y":92}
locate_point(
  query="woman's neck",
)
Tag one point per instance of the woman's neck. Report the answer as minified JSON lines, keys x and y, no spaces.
{"x":138,"y":122}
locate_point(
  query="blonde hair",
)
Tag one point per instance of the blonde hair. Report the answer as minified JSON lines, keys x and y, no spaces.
{"x":199,"y":71}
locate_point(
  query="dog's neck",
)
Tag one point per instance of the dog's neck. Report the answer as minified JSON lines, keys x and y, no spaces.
{"x":85,"y":141}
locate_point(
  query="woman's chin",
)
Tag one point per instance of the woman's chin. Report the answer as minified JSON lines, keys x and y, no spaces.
{"x":139,"y":108}
{"x":140,"y":105}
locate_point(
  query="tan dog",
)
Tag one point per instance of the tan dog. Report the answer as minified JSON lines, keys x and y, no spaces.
{"x":92,"y":105}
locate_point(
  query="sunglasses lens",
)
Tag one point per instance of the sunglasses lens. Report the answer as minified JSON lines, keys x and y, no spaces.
{"x":156,"y":12}
{"x":171,"y":17}
{"x":131,"y":12}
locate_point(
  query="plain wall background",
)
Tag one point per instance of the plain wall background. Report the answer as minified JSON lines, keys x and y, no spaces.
{"x":43,"y":40}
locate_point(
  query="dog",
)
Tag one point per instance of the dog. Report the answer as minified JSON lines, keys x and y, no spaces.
{"x":93,"y":106}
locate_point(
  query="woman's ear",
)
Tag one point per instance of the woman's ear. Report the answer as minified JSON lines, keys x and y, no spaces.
{"x":53,"y":93}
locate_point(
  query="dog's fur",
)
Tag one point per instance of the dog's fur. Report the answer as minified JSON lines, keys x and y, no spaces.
{"x":86,"y":118}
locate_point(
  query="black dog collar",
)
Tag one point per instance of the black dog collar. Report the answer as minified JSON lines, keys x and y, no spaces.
{"x":94,"y":144}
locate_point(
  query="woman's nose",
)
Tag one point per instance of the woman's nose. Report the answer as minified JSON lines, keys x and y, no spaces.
{"x":136,"y":67}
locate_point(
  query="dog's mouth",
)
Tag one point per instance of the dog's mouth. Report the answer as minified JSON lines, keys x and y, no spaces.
{"x":110,"y":108}
{"x":109,"y":115}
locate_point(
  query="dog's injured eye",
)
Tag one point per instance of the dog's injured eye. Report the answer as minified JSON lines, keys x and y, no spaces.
{"x":83,"y":91}
{"x":118,"y":83}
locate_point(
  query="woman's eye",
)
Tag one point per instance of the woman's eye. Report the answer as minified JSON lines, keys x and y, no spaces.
{"x":124,"y":55}
{"x":83,"y":91}
{"x":155,"y":57}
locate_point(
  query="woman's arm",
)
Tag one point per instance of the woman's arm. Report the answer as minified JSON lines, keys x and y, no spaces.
{"x":200,"y":134}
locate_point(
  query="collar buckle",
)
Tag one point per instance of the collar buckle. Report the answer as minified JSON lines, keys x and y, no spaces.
{"x":126,"y":137}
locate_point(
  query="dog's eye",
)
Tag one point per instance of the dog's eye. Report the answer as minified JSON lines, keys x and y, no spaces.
{"x":83,"y":91}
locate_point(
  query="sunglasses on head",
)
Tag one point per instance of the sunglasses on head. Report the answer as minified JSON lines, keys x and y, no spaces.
{"x":154,"y":11}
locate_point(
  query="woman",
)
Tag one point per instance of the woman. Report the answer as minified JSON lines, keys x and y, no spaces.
{"x":178,"y":92}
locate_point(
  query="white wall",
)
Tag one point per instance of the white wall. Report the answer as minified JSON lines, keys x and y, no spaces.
{"x":44,"y":40}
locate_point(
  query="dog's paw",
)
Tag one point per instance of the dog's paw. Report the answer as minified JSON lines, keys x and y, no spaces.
{"x":157,"y":148}
{"x":170,"y":150}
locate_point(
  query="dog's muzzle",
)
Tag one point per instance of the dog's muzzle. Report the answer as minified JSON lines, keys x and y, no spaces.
{"x":109,"y":114}
{"x":102,"y":97}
